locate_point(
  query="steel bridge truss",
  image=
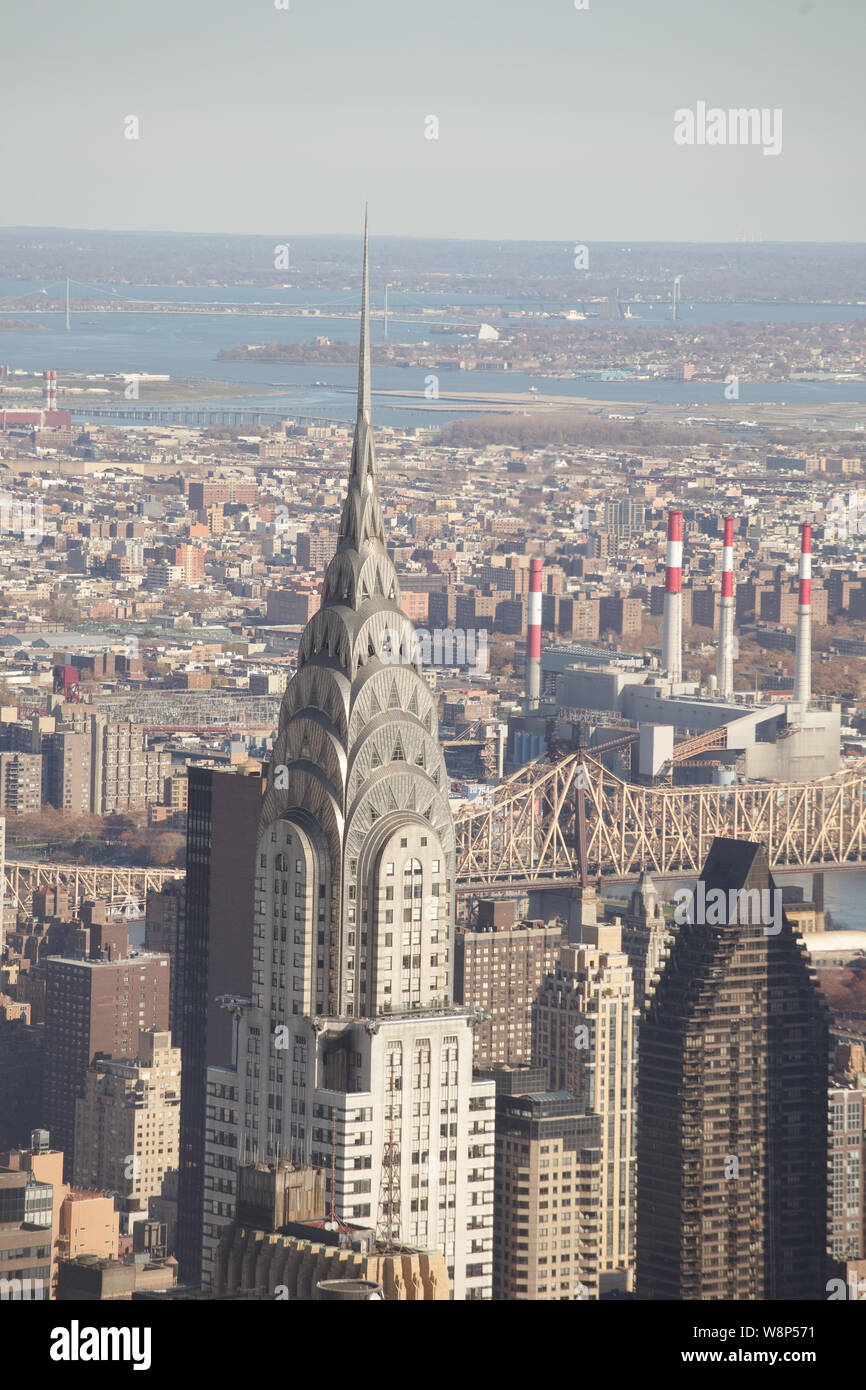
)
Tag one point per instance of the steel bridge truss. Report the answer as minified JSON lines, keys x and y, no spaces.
{"x":125,"y":889}
{"x":525,"y":836}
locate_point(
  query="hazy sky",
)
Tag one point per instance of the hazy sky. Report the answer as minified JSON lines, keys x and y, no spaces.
{"x":553,"y":122}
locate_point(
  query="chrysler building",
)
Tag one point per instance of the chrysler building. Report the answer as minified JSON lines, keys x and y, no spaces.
{"x":349,"y":1053}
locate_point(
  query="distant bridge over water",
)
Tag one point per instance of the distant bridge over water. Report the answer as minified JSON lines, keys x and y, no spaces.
{"x":197,"y":415}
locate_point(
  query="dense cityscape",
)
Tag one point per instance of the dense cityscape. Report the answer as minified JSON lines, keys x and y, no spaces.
{"x":432,"y":721}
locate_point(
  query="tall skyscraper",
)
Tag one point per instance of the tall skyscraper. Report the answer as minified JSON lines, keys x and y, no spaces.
{"x":215,"y":956}
{"x":349,"y":1051}
{"x":732,"y":1121}
{"x":585,"y":1034}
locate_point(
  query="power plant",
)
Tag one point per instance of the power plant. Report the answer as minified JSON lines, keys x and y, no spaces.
{"x":49,"y":417}
{"x":673,"y":731}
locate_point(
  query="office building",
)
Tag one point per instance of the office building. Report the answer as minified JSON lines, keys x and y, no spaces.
{"x":94,"y":1006}
{"x":94,"y":1279}
{"x":21,"y":783}
{"x":624,"y":518}
{"x":284,"y":1244}
{"x":586,"y":1035}
{"x":846,"y":1216}
{"x":547,"y":1226}
{"x":216,"y":959}
{"x":99,"y":766}
{"x":499,"y":966}
{"x":21,"y":1051}
{"x":127,"y":1123}
{"x":67,"y":770}
{"x":165,"y":911}
{"x":732,"y":1107}
{"x":315,"y":549}
{"x":26,"y":1243}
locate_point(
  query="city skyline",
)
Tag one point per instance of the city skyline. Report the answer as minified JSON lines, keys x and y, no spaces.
{"x":433,"y":667}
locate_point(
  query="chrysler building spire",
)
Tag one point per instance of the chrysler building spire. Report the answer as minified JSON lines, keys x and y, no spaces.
{"x":362,"y":518}
{"x":364,"y":354}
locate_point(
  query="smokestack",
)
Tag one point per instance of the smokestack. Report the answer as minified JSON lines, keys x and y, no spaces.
{"x":725,"y":661}
{"x":49,"y":391}
{"x":672,"y":638}
{"x":533,"y":634}
{"x":803,"y":651}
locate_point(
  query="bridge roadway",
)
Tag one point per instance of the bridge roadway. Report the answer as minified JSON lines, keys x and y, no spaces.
{"x":197,"y":415}
{"x":524,"y":838}
{"x":124,"y":888}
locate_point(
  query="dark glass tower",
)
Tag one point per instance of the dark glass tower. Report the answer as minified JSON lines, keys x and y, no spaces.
{"x":732,"y":1098}
{"x":222,"y":826}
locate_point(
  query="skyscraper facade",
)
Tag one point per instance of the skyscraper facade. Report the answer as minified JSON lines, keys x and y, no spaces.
{"x":732,"y":1121}
{"x":94,"y":1006}
{"x":127,"y":1121}
{"x":349,"y":1051}
{"x":585,"y":1034}
{"x":646,"y":939}
{"x":548,"y":1221}
{"x":214,"y":949}
{"x":846,"y":1213}
{"x":500,"y":965}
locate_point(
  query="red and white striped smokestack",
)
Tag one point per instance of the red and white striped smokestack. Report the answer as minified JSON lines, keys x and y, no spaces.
{"x":52,"y":390}
{"x":803,"y":651}
{"x":725,"y":660}
{"x":672,"y":635}
{"x":533,"y":634}
{"x":46,"y":390}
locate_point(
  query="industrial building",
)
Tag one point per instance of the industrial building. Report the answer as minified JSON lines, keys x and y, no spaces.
{"x":745,"y":736}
